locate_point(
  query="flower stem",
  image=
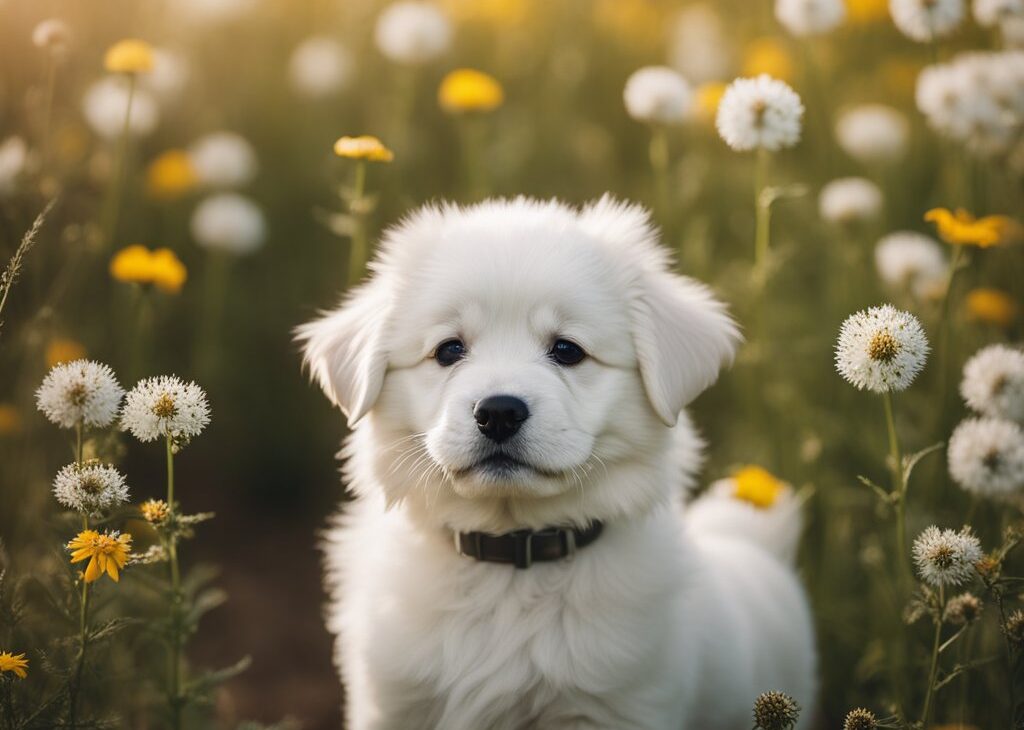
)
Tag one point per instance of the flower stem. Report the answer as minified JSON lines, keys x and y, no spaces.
{"x":114,"y":193}
{"x":945,"y":328}
{"x":899,"y":488}
{"x":83,"y":623}
{"x":174,"y":668}
{"x":762,"y":211}
{"x":358,"y":207}
{"x":929,"y":695}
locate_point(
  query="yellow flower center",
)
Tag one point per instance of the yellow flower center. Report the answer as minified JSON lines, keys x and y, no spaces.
{"x":164,"y":407}
{"x":757,"y":486}
{"x":77,"y":394}
{"x":129,"y":56}
{"x":883,"y":347}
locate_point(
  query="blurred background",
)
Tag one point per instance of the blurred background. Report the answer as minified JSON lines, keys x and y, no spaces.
{"x":227,"y":162}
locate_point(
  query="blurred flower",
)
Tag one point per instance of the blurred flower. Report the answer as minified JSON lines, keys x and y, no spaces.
{"x":962,"y":609}
{"x":926,"y":20}
{"x":469,"y":90}
{"x":223,"y":159}
{"x":810,"y":17}
{"x":106,"y":102}
{"x":228,"y":222}
{"x":993,"y":382}
{"x":319,"y":66}
{"x":170,"y":175}
{"x":881,"y":349}
{"x":768,"y":56}
{"x":13,"y":161}
{"x":775,"y":711}
{"x":63,"y":349}
{"x":757,"y":486}
{"x":657,"y":95}
{"x":986,"y":456}
{"x":364,"y":147}
{"x":946,"y":557}
{"x":759,"y":113}
{"x":90,"y":488}
{"x":130,"y":56}
{"x":906,"y":259}
{"x":165,"y":407}
{"x":107,"y":552}
{"x":53,"y":36}
{"x":80,"y":391}
{"x":860,"y":719}
{"x":991,"y":306}
{"x":412,"y":32}
{"x":154,"y":511}
{"x":698,"y":46}
{"x":16,"y":663}
{"x":849,"y":200}
{"x":962,"y":228}
{"x":213,"y":11}
{"x":867,"y":11}
{"x":707,"y":97}
{"x":169,"y":75}
{"x":161,"y":267}
{"x":873,"y":133}
{"x":10,"y":419}
{"x":989,"y":13}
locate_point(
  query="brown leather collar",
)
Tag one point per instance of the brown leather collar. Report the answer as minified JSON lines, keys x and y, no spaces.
{"x":522,"y":548}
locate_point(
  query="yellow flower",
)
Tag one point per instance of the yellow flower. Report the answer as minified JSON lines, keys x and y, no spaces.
{"x":768,"y":56}
{"x":137,"y":264}
{"x":963,"y":229}
{"x":129,"y":56}
{"x":707,"y":97}
{"x":991,"y":306}
{"x":62,"y":349}
{"x":867,"y":11}
{"x":10,"y":419}
{"x":364,"y":147}
{"x":106,"y":552}
{"x":154,"y":511}
{"x":170,"y":175}
{"x":469,"y":90}
{"x":16,"y":663}
{"x":757,"y":486}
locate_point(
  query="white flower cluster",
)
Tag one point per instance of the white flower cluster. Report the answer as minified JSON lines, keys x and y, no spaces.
{"x":849,"y":200}
{"x":226,"y":221}
{"x":989,"y":13}
{"x":165,"y":407}
{"x":926,"y":20}
{"x":90,"y":488}
{"x":873,"y":133}
{"x":907,"y":260}
{"x":946,"y":557}
{"x":759,"y":113}
{"x":977,"y":98}
{"x":810,"y":17}
{"x":319,"y":67}
{"x":81,"y":391}
{"x":106,"y":102}
{"x":881,"y":349}
{"x":993,"y":382}
{"x":412,"y":33}
{"x":657,"y":95}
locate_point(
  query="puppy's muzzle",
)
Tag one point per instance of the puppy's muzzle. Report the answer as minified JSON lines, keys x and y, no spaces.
{"x":499,"y":416}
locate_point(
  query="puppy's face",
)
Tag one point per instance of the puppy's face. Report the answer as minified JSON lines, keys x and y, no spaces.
{"x":518,"y":351}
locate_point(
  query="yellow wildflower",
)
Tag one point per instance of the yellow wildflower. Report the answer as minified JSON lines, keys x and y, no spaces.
{"x":991,"y":306}
{"x":63,"y":349}
{"x":364,"y":147}
{"x":129,"y":56}
{"x":963,"y":229}
{"x":16,"y":663}
{"x":768,"y":56}
{"x":154,"y":511}
{"x":106,"y":552}
{"x":469,"y":90}
{"x":161,"y":268}
{"x":707,"y":97}
{"x":757,"y":486}
{"x":867,"y":11}
{"x":10,"y":419}
{"x":170,"y":175}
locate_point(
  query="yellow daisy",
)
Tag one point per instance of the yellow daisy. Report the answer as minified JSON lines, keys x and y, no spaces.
{"x":129,"y":56}
{"x":138,"y":265}
{"x":963,"y":229}
{"x":757,"y":486}
{"x":16,"y":663}
{"x":170,"y":175}
{"x":106,"y":552}
{"x":469,"y":90}
{"x":364,"y":147}
{"x":154,"y":511}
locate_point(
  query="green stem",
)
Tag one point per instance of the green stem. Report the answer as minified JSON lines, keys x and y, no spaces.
{"x":930,"y":694}
{"x":114,"y":199}
{"x":945,"y":325}
{"x":357,"y":250}
{"x":174,"y":669}
{"x":899,"y":488}
{"x":83,"y":622}
{"x":762,"y":234}
{"x":79,"y":448}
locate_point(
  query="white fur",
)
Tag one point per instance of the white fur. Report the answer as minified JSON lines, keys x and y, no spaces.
{"x":665,"y":621}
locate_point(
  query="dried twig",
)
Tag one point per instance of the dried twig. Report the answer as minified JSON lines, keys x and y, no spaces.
{"x":10,"y":274}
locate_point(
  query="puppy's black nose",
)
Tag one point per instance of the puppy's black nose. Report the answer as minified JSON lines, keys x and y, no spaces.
{"x":499,"y":416}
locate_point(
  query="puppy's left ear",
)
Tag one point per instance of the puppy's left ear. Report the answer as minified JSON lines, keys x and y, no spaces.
{"x":683,"y":337}
{"x":344,"y":352}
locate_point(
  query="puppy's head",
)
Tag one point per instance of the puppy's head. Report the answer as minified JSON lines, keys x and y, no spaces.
{"x":519,"y":358}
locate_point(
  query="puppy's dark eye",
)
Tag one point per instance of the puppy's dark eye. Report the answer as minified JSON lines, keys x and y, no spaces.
{"x":566,"y":353}
{"x":449,"y":352}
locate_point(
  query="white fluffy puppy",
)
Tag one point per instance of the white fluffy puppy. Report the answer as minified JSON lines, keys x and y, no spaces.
{"x":517,"y":366}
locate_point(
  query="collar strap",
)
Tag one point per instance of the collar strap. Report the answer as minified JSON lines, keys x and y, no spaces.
{"x":522,"y":548}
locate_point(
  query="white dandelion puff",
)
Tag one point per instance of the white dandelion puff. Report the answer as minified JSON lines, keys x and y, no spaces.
{"x":946,"y":557}
{"x":165,"y":407}
{"x":910,"y":260}
{"x":81,"y":391}
{"x":993,"y":382}
{"x":759,"y":113}
{"x":849,"y":200}
{"x":873,"y":133}
{"x":319,"y":67}
{"x":989,"y":13}
{"x":53,"y":35}
{"x":106,"y":102}
{"x":881,"y":349}
{"x":658,"y":95}
{"x":90,"y":488}
{"x":14,"y":161}
{"x":810,"y":17}
{"x":986,"y":456}
{"x":170,"y":73}
{"x":926,"y":20}
{"x":223,"y":160}
{"x":228,"y":222}
{"x":412,"y":33}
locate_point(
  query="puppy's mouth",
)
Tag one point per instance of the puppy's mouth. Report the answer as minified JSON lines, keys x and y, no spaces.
{"x":502,"y":465}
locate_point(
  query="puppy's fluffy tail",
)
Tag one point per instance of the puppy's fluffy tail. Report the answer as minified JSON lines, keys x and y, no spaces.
{"x":776,"y":528}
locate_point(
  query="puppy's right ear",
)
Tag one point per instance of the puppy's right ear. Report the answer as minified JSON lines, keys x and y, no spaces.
{"x":344,"y":352}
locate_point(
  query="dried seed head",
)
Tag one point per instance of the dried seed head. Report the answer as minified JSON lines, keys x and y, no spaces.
{"x":775,"y":711}
{"x":860,"y":719}
{"x":962,"y":609}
